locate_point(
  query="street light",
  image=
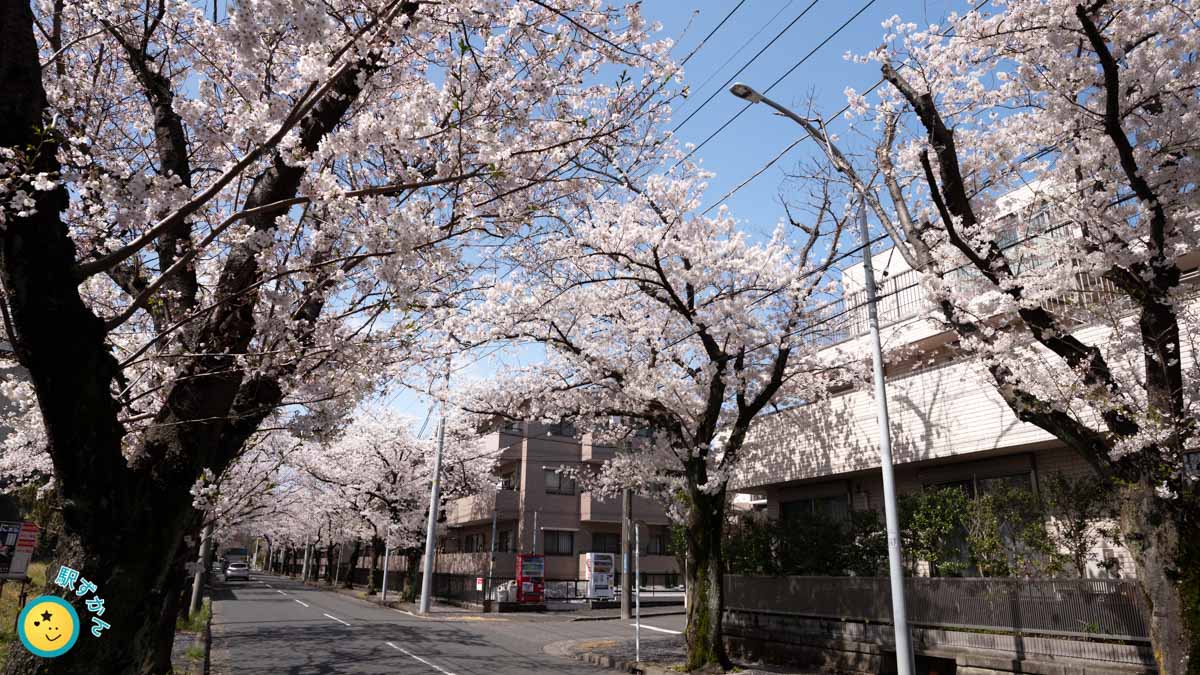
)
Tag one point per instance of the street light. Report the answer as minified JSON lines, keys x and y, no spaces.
{"x":904,"y":656}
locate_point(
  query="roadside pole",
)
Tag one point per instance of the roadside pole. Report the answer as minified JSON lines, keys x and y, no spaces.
{"x":198,"y":580}
{"x":904,"y":655}
{"x":254,"y":560}
{"x":307,"y":557}
{"x":431,"y":529}
{"x":626,"y":526}
{"x":487,"y":590}
{"x":905,"y":663}
{"x":535,"y":531}
{"x":637,"y":596}
{"x":386,"y":550}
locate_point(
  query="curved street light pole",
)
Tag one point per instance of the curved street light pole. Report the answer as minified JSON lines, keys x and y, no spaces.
{"x":815,"y":127}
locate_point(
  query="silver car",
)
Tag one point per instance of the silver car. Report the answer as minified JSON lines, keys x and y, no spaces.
{"x":237,"y":570}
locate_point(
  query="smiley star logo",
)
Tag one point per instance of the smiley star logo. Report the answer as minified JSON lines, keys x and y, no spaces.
{"x":48,"y":626}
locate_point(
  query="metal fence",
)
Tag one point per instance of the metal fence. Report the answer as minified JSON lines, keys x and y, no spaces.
{"x":1110,"y":608}
{"x":463,"y":587}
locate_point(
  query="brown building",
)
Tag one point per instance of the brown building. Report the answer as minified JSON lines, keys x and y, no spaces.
{"x":538,"y":510}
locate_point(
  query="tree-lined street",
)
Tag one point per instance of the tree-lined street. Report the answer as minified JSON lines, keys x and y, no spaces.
{"x":422,"y":297}
{"x":274,"y":624}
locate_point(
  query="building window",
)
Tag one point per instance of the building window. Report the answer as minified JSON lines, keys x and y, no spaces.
{"x":836,"y":508}
{"x":656,"y":543}
{"x":504,"y":541}
{"x":473,"y":543}
{"x":510,"y":480}
{"x":558,"y":484}
{"x":511,"y":427}
{"x":559,"y":543}
{"x":606,"y":542}
{"x":561,"y":429}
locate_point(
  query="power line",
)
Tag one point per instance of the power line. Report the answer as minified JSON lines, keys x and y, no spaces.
{"x":712,"y":32}
{"x":745,"y":44}
{"x":779,"y":156}
{"x":746,"y":65}
{"x":799,"y":63}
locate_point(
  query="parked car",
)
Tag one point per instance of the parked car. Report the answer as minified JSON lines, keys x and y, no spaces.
{"x":237,"y":570}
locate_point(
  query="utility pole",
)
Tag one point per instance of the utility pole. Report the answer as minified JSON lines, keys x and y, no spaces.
{"x":637,"y":575}
{"x":535,"y":531}
{"x":198,"y":580}
{"x":386,"y":550}
{"x":905,"y":662}
{"x":904,"y":654}
{"x":254,"y":560}
{"x":431,"y":529}
{"x":487,"y":590}
{"x":626,"y":526}
{"x":307,"y":561}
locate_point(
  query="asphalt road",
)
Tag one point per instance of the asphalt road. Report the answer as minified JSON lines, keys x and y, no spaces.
{"x":278,"y":626}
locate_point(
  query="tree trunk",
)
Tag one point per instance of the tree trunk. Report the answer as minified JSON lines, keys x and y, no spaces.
{"x":330,"y":563}
{"x":140,"y":582}
{"x":375,"y":551}
{"x":349,"y":580}
{"x":412,"y":561}
{"x":1166,"y":552}
{"x":705,"y":590}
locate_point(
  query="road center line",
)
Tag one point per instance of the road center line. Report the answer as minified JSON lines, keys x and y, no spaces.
{"x":337,"y":619}
{"x":431,"y":665}
{"x":661,"y":630}
{"x":302,"y":603}
{"x":281,"y":592}
{"x":267,"y":585}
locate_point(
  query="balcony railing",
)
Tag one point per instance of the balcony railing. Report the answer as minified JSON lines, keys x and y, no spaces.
{"x":901,"y":298}
{"x":596,"y":510}
{"x":478,"y":508}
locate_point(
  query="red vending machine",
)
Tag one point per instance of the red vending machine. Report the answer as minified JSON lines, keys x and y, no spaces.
{"x":531,"y":582}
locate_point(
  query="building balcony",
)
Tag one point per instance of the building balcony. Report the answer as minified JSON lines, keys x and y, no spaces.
{"x":503,"y":445}
{"x":479,"y":508}
{"x":592,"y":451}
{"x":476,"y":564}
{"x":596,"y":510}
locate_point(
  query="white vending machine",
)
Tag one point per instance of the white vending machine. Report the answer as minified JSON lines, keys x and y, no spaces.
{"x":600,"y":568}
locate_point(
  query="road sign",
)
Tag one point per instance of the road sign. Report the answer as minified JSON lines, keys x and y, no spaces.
{"x":479,"y":583}
{"x":17,"y":541}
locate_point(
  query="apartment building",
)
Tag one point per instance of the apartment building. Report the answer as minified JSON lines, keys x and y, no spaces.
{"x":539,"y":510}
{"x":949,"y":425}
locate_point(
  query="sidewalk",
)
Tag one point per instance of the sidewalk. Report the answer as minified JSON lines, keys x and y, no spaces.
{"x":659,"y":656}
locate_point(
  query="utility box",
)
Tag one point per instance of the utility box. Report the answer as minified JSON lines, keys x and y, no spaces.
{"x":599,"y":568}
{"x":531,"y":579}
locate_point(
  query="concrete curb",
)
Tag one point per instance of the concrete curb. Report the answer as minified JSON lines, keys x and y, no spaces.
{"x":606,"y":661}
{"x":616,"y":618}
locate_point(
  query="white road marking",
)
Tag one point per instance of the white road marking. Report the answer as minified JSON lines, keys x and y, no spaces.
{"x":267,"y":585}
{"x":405,"y":611}
{"x":431,"y":665}
{"x":337,"y":619}
{"x":281,"y":592}
{"x":302,"y":603}
{"x":661,"y":630}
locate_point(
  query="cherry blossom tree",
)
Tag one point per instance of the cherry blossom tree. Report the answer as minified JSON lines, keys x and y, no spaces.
{"x":1039,"y":166}
{"x":206,"y":221}
{"x":380,"y":474}
{"x":651,"y":316}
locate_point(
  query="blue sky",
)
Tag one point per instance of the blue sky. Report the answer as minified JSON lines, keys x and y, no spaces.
{"x":757,"y":135}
